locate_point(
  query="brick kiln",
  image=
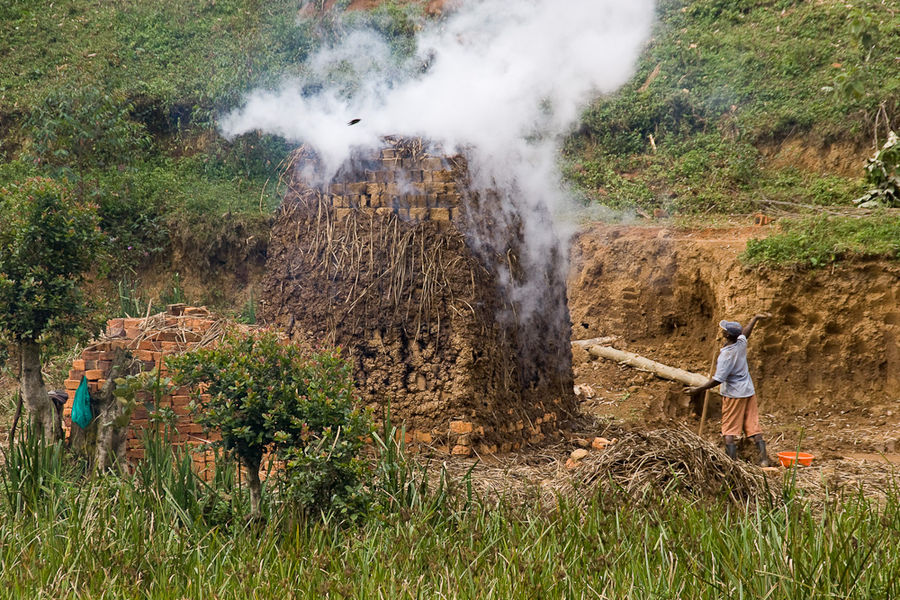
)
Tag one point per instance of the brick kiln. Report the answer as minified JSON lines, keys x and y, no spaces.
{"x":402,"y":262}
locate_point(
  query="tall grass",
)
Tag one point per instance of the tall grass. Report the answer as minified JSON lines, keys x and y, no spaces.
{"x":143,"y":536}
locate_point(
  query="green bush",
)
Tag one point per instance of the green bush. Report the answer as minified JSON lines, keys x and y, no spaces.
{"x":265,"y":395}
{"x":79,"y":129}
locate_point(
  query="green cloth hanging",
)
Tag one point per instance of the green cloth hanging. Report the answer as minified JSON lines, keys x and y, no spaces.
{"x":81,"y":406}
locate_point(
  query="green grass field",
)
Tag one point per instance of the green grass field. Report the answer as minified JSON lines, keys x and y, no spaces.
{"x":162,"y":534}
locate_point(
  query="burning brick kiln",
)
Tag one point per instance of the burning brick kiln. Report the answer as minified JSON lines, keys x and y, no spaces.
{"x":403,"y":263}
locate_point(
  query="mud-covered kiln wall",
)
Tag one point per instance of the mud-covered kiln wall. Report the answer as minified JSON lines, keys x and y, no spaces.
{"x":379,"y":262}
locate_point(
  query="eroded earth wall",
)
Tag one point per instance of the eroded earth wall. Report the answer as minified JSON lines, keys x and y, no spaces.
{"x":834,"y":333}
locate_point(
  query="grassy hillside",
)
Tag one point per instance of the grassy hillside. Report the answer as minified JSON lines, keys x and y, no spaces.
{"x":745,"y":101}
{"x":120,"y":100}
{"x":723,"y":86}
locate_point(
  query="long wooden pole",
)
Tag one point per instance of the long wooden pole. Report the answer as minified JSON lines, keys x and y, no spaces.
{"x":639,"y":362}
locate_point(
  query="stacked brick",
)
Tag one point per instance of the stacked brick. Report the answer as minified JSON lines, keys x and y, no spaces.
{"x":416,"y":187}
{"x":149,"y":340}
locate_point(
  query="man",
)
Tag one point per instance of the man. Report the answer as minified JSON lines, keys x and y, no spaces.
{"x":739,"y":409}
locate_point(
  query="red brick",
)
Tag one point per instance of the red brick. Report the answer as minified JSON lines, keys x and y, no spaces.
{"x":460,"y":450}
{"x":78,"y":364}
{"x":94,"y":374}
{"x":144,"y":355}
{"x":72,"y":384}
{"x":90,"y":355}
{"x":461,"y":427}
{"x":149,"y":345}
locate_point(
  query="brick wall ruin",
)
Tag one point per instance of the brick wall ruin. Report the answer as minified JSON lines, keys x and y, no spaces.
{"x":149,"y":340}
{"x":391,"y":260}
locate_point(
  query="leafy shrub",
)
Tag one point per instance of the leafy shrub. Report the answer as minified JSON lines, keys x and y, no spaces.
{"x":48,"y":242}
{"x":80,"y":129}
{"x":266,"y":395}
{"x":883,"y":173}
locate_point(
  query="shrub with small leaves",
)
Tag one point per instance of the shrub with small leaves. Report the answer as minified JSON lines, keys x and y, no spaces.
{"x":264,"y":395}
{"x":883,"y":173}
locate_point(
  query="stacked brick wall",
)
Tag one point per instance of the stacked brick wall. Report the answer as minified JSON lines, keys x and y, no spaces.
{"x":413,"y":186}
{"x":149,"y":340}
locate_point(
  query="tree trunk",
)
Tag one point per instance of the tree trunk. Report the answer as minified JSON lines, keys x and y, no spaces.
{"x":104,"y":440}
{"x":41,"y":411}
{"x":112,"y":418}
{"x":252,"y":469}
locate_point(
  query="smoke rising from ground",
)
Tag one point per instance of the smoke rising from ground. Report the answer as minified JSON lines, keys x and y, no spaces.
{"x":501,"y":80}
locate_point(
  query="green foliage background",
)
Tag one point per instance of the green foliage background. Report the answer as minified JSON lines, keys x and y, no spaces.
{"x":121,"y":99}
{"x":48,"y":241}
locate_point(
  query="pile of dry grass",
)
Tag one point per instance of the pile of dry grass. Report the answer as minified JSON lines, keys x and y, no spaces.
{"x":647,"y":466}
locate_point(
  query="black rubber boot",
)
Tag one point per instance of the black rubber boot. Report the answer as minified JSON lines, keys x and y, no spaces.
{"x":761,"y":448}
{"x":730,"y":447}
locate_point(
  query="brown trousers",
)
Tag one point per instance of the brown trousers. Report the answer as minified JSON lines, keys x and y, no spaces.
{"x":738,"y":414}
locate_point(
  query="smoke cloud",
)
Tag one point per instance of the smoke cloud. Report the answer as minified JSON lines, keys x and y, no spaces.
{"x":502,"y":80}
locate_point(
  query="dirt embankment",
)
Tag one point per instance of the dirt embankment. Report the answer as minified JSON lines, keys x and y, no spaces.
{"x":827,"y":364}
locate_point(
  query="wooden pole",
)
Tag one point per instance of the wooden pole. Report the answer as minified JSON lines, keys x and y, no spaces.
{"x":644,"y":364}
{"x":712,"y":371}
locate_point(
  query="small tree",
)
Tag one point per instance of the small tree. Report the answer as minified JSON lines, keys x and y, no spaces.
{"x":883,"y":173}
{"x":266,"y":395}
{"x":47,"y":244}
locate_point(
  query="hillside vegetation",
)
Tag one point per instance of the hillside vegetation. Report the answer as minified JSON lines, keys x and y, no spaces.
{"x":746,"y":102}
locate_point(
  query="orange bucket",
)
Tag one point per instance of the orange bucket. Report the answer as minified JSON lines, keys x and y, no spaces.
{"x":788,"y":459}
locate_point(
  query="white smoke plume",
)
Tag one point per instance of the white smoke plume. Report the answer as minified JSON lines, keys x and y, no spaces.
{"x":505,"y":80}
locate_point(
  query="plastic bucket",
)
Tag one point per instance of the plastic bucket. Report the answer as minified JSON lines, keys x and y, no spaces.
{"x":789,"y":459}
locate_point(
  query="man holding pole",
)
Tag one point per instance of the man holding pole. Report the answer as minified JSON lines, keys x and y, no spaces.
{"x":739,"y":408}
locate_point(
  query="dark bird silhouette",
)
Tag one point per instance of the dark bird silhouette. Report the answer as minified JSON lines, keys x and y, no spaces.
{"x":354,"y":121}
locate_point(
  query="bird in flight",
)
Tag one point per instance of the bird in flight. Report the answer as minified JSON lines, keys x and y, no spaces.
{"x":354,"y":121}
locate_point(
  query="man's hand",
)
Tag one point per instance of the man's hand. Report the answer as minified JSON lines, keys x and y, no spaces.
{"x":696,"y":389}
{"x":748,"y":329}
